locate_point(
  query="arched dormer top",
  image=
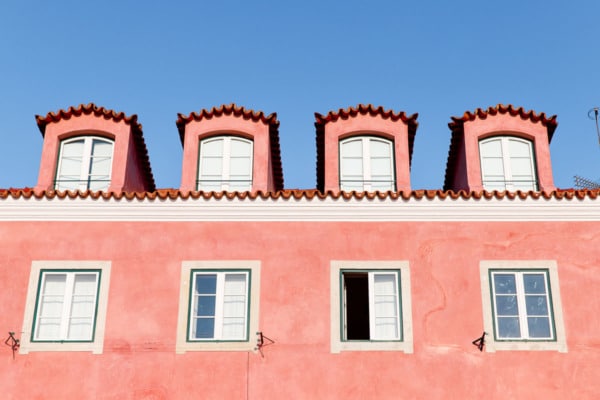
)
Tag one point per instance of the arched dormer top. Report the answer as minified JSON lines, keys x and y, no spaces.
{"x":130,"y":164}
{"x":363,"y":121}
{"x":464,"y":165}
{"x":231,"y":120}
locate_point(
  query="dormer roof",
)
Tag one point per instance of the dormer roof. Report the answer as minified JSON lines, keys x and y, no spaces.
{"x":92,"y":109}
{"x":237,"y":111}
{"x":351,"y":112}
{"x":457,"y":128}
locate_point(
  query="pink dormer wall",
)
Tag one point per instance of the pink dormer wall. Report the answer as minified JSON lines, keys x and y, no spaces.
{"x":130,"y":171}
{"x":463,"y":171}
{"x":236,"y":121}
{"x":363,"y":120}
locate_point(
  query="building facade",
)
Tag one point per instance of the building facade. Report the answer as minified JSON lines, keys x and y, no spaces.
{"x":232,"y":287}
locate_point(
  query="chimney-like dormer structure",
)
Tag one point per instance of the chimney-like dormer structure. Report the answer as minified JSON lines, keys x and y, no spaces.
{"x":364,"y":148}
{"x":501,"y":148}
{"x":230,"y":149}
{"x":92,"y":148}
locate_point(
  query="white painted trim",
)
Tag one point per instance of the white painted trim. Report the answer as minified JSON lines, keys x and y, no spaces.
{"x":337,"y":345}
{"x":181,"y":344}
{"x":491,"y":345}
{"x":324,"y":210}
{"x":97,"y":345}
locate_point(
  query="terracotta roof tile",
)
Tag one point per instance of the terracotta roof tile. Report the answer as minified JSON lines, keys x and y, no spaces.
{"x":232,"y":109}
{"x":136,"y":129}
{"x":457,"y":128}
{"x":174,"y":194}
{"x":322,"y":120}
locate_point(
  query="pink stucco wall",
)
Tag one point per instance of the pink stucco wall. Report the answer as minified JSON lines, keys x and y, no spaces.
{"x":372,"y":125}
{"x":126,"y":172}
{"x":505,"y":124}
{"x":230,"y":125}
{"x":139,"y":360}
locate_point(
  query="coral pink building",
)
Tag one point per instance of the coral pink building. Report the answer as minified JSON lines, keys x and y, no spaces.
{"x":232,"y":287}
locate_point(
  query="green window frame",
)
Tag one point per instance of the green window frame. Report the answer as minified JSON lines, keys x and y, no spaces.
{"x":66,"y":306}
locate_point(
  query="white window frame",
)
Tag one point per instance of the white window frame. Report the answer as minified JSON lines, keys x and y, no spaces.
{"x":85,"y":177}
{"x":218,"y":316}
{"x":38,"y":271}
{"x":184,"y":342}
{"x":366,"y":162}
{"x":338,"y":343}
{"x":509,"y":181}
{"x":492,"y":341}
{"x":225,"y":181}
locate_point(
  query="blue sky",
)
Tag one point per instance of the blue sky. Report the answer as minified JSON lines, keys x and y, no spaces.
{"x":440,"y":59}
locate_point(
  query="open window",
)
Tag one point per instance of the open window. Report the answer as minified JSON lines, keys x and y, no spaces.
{"x":84,"y":163}
{"x":370,"y":306}
{"x":367,"y":164}
{"x":225,"y":164}
{"x":507,"y":163}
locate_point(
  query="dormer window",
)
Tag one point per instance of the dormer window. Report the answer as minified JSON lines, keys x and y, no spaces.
{"x":367,"y":164}
{"x":225,"y":163}
{"x":507,"y":163}
{"x":84,"y":163}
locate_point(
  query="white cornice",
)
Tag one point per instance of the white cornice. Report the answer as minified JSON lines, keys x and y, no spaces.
{"x":328,"y":209}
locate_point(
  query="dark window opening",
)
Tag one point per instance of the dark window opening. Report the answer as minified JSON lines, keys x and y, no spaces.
{"x":356,"y":287}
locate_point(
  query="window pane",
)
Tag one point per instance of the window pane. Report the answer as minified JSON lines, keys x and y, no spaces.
{"x":352,"y":167}
{"x":385,"y":306}
{"x":205,"y":306}
{"x":211,"y":166}
{"x":234,"y":328}
{"x":240,"y":148}
{"x":206,"y":284}
{"x":507,"y":305}
{"x":100,"y":148}
{"x":381,"y":167}
{"x":204,"y":328}
{"x":380,"y":149}
{"x":534,"y":283}
{"x":509,"y":327}
{"x":352,"y":148}
{"x":212,"y":148}
{"x":519,"y":148}
{"x":539,"y":327}
{"x":491,"y":148}
{"x":240,"y":166}
{"x":536,"y":305}
{"x":504,"y":284}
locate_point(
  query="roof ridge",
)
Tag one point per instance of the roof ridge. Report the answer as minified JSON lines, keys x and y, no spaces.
{"x":363,"y":109}
{"x":85,"y":109}
{"x":227,"y":109}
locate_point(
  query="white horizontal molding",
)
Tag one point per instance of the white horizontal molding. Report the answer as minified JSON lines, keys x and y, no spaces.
{"x":304,"y":209}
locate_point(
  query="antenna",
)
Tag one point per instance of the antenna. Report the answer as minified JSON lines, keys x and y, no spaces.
{"x":593,"y":114}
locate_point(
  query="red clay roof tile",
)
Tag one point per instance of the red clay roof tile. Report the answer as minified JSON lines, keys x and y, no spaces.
{"x":457,"y":128}
{"x":174,"y":194}
{"x":232,"y":109}
{"x":136,"y":129}
{"x":322,"y":120}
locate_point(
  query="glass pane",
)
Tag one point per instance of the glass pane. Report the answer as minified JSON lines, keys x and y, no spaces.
{"x":80,"y":329}
{"x":352,"y":166}
{"x":508,"y":327}
{"x":491,"y":148}
{"x":352,"y":148}
{"x":534,"y":283}
{"x":212,"y":148}
{"x":54,"y":284}
{"x":85,"y":284}
{"x":48,"y":329}
{"x":536,"y":305}
{"x":211,"y":166}
{"x":240,"y":166}
{"x":235,"y":284}
{"x":492,"y":167}
{"x":507,"y":305}
{"x":539,"y":327}
{"x":206,"y":284}
{"x":72,"y":149}
{"x":380,"y":149}
{"x":101,"y":148}
{"x":504,"y":284}
{"x":240,"y":148}
{"x":205,"y":306}
{"x":386,"y":329}
{"x":234,"y":328}
{"x":519,"y":148}
{"x":204,"y":328}
{"x":381,"y":167}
